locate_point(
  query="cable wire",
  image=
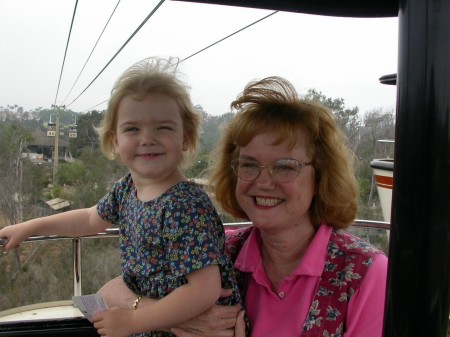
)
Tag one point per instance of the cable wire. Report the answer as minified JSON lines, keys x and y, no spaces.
{"x":226,"y":37}
{"x":92,"y":107}
{"x":123,"y":46}
{"x":67,"y":46}
{"x":203,"y":49}
{"x":89,"y":57}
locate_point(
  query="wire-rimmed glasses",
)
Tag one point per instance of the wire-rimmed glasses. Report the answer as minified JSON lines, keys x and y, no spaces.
{"x":281,"y":170}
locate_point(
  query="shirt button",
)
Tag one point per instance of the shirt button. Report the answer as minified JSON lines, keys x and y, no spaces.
{"x":281,"y":294}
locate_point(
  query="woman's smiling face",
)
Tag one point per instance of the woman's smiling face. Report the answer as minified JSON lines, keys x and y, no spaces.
{"x":270,"y":204}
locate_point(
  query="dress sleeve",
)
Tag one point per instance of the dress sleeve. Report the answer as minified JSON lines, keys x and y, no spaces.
{"x":194,"y":237}
{"x":366,"y":308}
{"x":234,"y":240}
{"x":109,"y":206}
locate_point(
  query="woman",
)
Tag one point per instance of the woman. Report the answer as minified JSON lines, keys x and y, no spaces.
{"x":282,"y":164}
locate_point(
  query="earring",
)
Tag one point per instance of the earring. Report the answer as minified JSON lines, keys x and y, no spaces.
{"x":115,"y":155}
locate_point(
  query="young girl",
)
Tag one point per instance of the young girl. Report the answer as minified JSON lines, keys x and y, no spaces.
{"x":171,"y":238}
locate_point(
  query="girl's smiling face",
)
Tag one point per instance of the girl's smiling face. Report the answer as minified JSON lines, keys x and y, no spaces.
{"x":149,"y":137}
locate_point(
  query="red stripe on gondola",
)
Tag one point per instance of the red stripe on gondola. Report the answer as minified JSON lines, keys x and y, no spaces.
{"x":383,"y":181}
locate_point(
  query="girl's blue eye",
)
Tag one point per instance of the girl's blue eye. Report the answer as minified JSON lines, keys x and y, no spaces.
{"x":131,"y":128}
{"x":165,"y":127}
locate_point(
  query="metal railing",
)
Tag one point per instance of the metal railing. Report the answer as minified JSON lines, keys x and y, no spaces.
{"x":114,"y":232}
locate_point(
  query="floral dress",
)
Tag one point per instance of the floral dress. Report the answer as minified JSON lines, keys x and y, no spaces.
{"x":163,"y":240}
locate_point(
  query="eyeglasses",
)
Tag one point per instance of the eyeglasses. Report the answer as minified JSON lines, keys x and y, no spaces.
{"x":281,"y":170}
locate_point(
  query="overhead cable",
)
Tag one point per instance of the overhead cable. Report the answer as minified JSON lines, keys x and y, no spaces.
{"x":226,"y":37}
{"x":89,"y":57}
{"x":65,"y":53}
{"x":123,"y":46}
{"x":92,"y":107}
{"x":203,"y":49}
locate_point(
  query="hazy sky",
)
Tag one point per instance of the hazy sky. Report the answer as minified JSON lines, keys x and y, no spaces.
{"x":342,"y":57}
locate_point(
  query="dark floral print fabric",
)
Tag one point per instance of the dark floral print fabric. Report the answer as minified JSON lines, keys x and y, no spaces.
{"x":348,"y":259}
{"x":163,"y":240}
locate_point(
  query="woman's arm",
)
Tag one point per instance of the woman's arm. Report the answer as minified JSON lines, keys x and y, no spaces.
{"x":74,"y":223}
{"x":115,"y":293}
{"x":219,"y":321}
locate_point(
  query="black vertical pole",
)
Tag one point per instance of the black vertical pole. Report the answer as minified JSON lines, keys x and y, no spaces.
{"x":419,"y":258}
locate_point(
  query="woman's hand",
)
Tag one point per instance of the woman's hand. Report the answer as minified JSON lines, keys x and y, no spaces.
{"x":239,"y":329}
{"x":218,"y":321}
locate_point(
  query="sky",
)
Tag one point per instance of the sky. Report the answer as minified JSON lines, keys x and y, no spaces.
{"x":341,"y":57}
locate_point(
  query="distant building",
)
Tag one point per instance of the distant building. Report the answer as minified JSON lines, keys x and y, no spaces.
{"x":40,"y":149}
{"x":58,"y":204}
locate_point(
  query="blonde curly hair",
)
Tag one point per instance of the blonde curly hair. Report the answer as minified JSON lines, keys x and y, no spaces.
{"x":151,"y":75}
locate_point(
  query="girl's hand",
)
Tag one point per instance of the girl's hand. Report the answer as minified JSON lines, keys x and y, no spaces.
{"x":13,"y":236}
{"x":115,"y":322}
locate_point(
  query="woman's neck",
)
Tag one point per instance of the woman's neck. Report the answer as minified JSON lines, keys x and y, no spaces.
{"x":282,"y":252}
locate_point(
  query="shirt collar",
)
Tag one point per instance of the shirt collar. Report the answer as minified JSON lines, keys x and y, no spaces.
{"x":249,"y":258}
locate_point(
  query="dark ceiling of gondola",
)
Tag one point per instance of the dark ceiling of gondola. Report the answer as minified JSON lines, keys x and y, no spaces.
{"x":344,"y":8}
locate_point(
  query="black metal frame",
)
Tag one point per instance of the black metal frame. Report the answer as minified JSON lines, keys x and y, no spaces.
{"x":67,"y":327}
{"x":346,"y":8}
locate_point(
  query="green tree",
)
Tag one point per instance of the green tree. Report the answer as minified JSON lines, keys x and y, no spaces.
{"x":97,"y":176}
{"x":211,"y":129}
{"x":380,"y":124}
{"x":13,"y":138}
{"x":66,"y":116}
{"x":377,"y":124}
{"x":71,"y":173}
{"x":348,"y":118}
{"x":86,"y":134}
{"x":199,"y":167}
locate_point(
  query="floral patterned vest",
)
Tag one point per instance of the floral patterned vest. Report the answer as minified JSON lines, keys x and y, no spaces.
{"x":348,"y":259}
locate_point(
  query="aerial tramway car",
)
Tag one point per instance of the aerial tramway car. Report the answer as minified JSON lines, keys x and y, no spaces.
{"x":418,"y":296}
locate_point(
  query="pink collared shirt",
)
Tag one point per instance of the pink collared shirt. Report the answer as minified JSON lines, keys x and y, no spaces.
{"x":282,"y":313}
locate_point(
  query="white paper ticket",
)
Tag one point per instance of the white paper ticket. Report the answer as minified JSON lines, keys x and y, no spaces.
{"x":89,"y":305}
